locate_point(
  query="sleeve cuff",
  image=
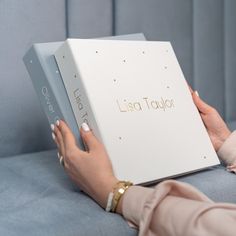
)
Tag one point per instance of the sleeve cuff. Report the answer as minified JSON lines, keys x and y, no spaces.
{"x":227,"y":152}
{"x":133,"y":202}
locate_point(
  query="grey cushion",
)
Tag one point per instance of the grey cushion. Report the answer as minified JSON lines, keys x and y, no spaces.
{"x":216,"y":182}
{"x":230,"y":59}
{"x":37,"y":198}
{"x":89,"y":19}
{"x":23,"y":125}
{"x":232,"y":125}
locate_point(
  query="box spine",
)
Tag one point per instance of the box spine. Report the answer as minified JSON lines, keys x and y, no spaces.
{"x":45,"y":92}
{"x":75,"y":88}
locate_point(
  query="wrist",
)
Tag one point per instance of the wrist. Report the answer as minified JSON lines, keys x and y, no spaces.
{"x":224,"y":136}
{"x":103,"y":191}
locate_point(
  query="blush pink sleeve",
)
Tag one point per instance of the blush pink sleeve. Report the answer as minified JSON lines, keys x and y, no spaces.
{"x":175,"y":208}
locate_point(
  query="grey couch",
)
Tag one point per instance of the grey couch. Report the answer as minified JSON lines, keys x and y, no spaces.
{"x":36,"y":196}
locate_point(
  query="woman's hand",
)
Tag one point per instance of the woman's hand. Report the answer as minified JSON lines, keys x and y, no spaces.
{"x":91,"y":170}
{"x":216,"y":127}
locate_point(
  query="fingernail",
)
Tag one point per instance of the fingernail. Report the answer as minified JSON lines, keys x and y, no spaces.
{"x":57,"y":122}
{"x":53,"y":136}
{"x":196,"y":92}
{"x":85,"y":127}
{"x":58,"y":155}
{"x":52,"y":127}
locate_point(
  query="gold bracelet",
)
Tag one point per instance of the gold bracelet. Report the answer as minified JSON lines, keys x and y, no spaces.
{"x":118,"y":191}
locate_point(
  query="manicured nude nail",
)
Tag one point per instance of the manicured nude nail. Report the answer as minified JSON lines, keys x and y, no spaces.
{"x":196,"y":92}
{"x":52,"y":127}
{"x":85,"y":127}
{"x":57,"y":122}
{"x":58,"y":155}
{"x":53,"y":136}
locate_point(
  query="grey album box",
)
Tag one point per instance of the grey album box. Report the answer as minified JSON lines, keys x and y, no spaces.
{"x":48,"y":84}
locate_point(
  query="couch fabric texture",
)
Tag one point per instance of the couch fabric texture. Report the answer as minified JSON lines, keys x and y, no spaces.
{"x":36,"y":196}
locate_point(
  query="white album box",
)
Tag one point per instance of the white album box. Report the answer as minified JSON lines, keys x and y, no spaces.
{"x":134,"y":96}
